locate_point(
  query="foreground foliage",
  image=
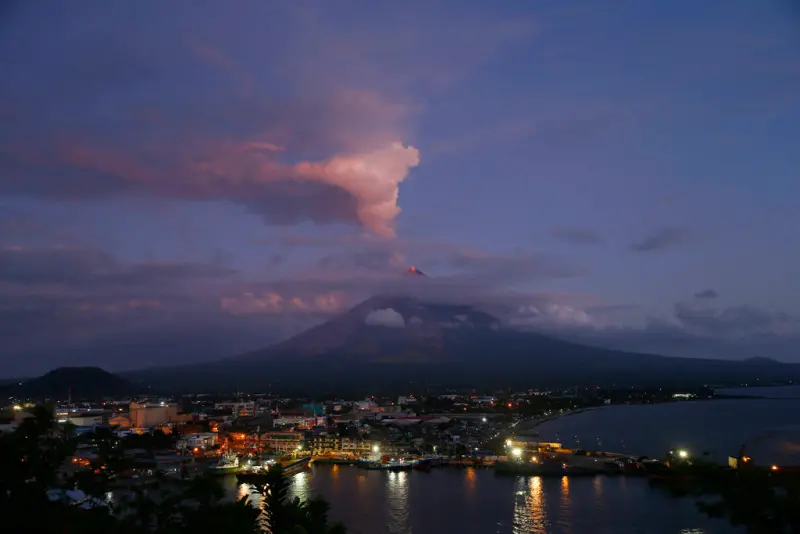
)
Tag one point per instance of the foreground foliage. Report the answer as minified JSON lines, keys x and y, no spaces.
{"x":759,"y":500}
{"x":31,"y":456}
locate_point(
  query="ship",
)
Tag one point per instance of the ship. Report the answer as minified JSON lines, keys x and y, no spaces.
{"x":544,"y":468}
{"x":227,"y":464}
{"x":395,"y":464}
{"x":260,"y":476}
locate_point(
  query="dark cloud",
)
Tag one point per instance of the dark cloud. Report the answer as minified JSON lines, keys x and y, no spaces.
{"x":706,"y":294}
{"x":661,"y":239}
{"x":512,"y":268}
{"x":737,"y":321}
{"x":689,"y":331}
{"x":577,"y":236}
{"x":87,"y":267}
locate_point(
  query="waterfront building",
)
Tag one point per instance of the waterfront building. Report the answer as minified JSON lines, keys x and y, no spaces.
{"x":283,"y":442}
{"x":532,"y":445}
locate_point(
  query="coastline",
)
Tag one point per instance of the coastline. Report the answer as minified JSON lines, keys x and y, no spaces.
{"x":532,"y":425}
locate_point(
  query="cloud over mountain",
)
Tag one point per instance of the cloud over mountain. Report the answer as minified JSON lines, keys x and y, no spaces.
{"x":385,"y":317}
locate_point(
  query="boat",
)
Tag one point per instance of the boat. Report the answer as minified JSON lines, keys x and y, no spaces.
{"x":421,"y":465}
{"x":544,"y":469}
{"x":259,"y":476}
{"x":295,"y":466}
{"x":228,"y":463}
{"x":390,"y":465}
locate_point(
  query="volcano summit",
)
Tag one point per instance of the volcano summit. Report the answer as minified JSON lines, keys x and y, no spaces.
{"x":397,"y":342}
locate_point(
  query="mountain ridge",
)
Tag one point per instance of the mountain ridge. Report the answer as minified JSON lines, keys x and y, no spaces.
{"x":452,"y":345}
{"x":77,"y":383}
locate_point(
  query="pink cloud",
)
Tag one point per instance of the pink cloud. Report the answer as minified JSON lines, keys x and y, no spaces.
{"x":269,"y":303}
{"x":356,"y":187}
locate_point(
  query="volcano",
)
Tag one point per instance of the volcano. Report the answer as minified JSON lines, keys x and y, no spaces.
{"x":393,"y":342}
{"x":415,"y":272}
{"x":423,"y":332}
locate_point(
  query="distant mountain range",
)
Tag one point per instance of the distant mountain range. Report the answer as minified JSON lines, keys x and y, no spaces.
{"x":75,"y":382}
{"x":403,"y":343}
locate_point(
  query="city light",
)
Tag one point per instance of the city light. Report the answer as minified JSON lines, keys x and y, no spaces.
{"x":774,"y":467}
{"x":682,"y":453}
{"x":508,"y":443}
{"x":483,"y":419}
{"x":376,"y":449}
{"x":516,"y":451}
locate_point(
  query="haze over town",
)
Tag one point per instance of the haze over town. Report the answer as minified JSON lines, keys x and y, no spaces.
{"x":183,"y":184}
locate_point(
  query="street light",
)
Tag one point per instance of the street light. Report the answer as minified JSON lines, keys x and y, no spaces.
{"x":516,"y":451}
{"x":376,"y":449}
{"x":682,"y":453}
{"x":483,"y":419}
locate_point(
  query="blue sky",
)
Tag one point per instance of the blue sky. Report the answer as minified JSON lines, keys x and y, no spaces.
{"x":247,"y":170}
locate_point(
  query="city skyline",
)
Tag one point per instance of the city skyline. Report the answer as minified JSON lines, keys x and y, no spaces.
{"x":189,"y":181}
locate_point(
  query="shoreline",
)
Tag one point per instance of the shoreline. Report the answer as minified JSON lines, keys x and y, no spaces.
{"x":532,"y":425}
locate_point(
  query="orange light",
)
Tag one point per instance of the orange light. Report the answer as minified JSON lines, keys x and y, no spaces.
{"x":196,"y":449}
{"x":509,"y":405}
{"x":774,"y":467}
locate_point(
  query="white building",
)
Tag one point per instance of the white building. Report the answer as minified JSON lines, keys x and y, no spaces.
{"x":203,"y":440}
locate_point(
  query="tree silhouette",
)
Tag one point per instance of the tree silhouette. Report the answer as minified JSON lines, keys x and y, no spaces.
{"x":285,"y":515}
{"x":760,"y":501}
{"x":31,"y":456}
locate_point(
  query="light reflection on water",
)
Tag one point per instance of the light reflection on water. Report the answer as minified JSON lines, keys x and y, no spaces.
{"x":529,"y":507}
{"x":397,"y":484}
{"x":476,"y":501}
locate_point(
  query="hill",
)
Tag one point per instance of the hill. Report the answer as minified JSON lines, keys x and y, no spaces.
{"x":401,"y":343}
{"x":75,"y":382}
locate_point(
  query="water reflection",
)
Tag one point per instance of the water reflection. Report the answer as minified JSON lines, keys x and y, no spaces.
{"x":397,"y":486}
{"x":564,"y":512}
{"x":478,"y":501}
{"x":300,"y":486}
{"x":598,"y":486}
{"x":530,"y":516}
{"x":470,"y":480}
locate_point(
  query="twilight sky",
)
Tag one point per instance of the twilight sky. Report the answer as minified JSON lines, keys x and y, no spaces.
{"x":186,"y":180}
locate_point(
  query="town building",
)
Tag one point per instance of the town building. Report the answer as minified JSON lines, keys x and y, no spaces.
{"x":283,"y":442}
{"x":202,"y":440}
{"x":239,"y":408}
{"x":340,"y":445}
{"x":299,"y":418}
{"x":152,"y":415}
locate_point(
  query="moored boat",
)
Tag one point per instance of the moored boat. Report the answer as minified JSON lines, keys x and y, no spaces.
{"x":227,"y":464}
{"x":260,"y":475}
{"x":390,"y":465}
